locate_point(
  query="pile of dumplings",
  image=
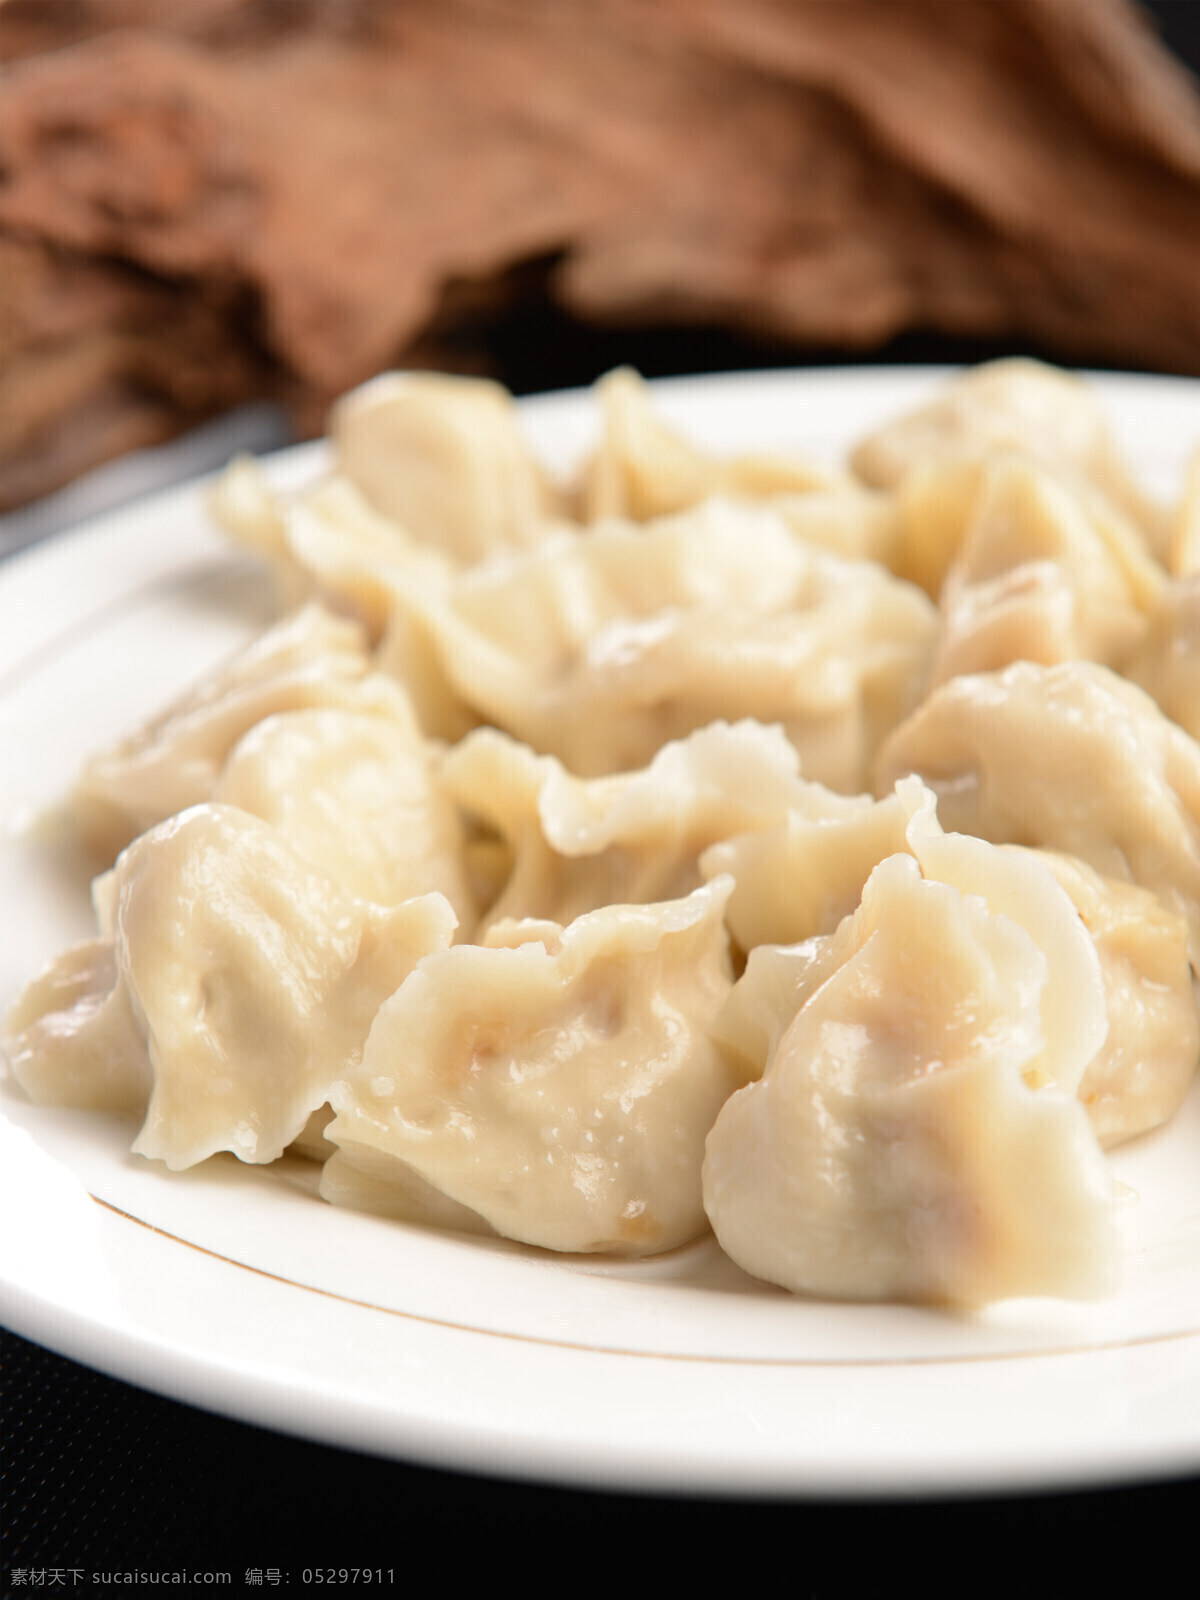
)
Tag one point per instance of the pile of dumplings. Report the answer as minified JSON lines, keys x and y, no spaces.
{"x":808,"y":854}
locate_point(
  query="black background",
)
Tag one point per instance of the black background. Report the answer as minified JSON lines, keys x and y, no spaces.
{"x":100,"y":1476}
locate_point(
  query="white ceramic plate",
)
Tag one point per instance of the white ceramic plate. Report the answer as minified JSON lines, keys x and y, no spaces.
{"x":237,"y":1288}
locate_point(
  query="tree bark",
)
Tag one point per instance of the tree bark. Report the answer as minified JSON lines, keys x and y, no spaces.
{"x":221,"y":199}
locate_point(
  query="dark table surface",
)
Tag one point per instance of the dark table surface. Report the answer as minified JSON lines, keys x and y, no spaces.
{"x":103,"y":1479}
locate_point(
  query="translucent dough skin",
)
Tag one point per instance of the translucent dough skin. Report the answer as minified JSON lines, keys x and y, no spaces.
{"x":1074,"y":1023}
{"x":892,"y":1149}
{"x":562,"y":1094}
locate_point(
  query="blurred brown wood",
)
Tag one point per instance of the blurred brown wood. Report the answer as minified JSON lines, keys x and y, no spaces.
{"x":212,"y":199}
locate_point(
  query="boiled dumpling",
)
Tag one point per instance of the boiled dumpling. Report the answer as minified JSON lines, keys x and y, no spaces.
{"x":558,"y":1082}
{"x":250,"y":977}
{"x":1138,"y":1078}
{"x":1168,"y":664}
{"x":1016,"y":884}
{"x":445,"y":458}
{"x":894,"y":1148}
{"x":1037,"y":579}
{"x":1070,"y":758}
{"x":72,"y":1038}
{"x":1009,"y":407}
{"x":357,"y":796}
{"x":643,"y":469}
{"x":173,"y":761}
{"x":256,"y":979}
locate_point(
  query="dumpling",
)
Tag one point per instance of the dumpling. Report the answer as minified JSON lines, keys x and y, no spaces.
{"x":72,"y":1038}
{"x":445,"y":458}
{"x":348,"y":551}
{"x":1168,"y":664}
{"x":560,"y":1085}
{"x":1016,"y":884}
{"x":325,"y":541}
{"x":575,"y":844}
{"x":801,"y":875}
{"x":1139,"y":1077}
{"x":915,"y":1134}
{"x":251,"y":980}
{"x":1069,"y":758}
{"x":601,"y":649}
{"x":173,"y":761}
{"x":643,"y":469}
{"x":1183,"y":554}
{"x":1038,"y":578}
{"x":1016,"y":407}
{"x":850,"y":521}
{"x":357,"y":796}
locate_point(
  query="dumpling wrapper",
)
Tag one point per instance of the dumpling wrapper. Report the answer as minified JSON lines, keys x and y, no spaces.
{"x":1017,"y":885}
{"x":893,"y":1149}
{"x":325,"y":542}
{"x":559,"y":1086}
{"x":240,"y":981}
{"x":347,"y":550}
{"x":71,"y":1036}
{"x":1132,"y":1072}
